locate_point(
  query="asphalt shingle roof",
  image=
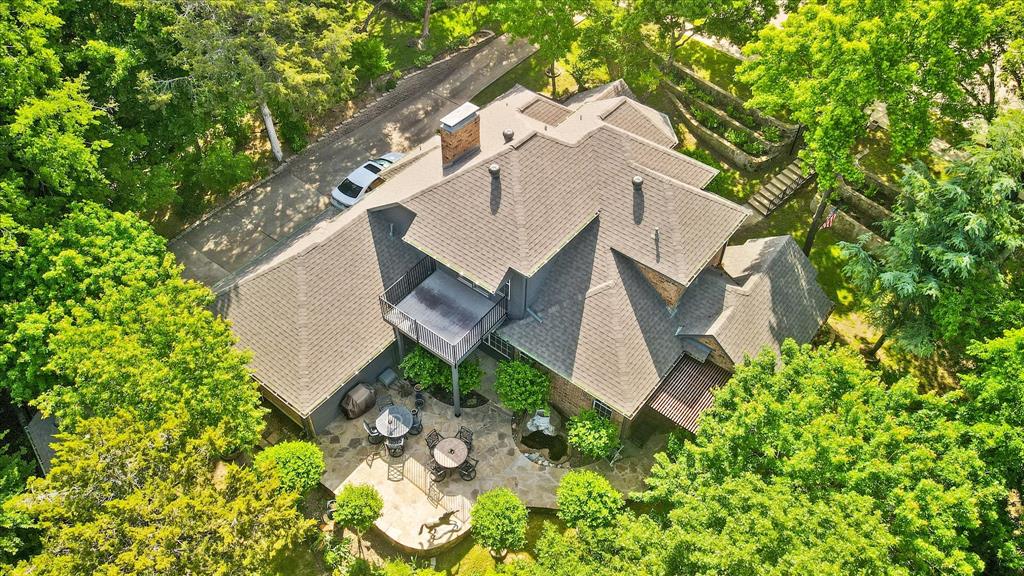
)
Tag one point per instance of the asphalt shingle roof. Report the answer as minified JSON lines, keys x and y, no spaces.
{"x":312,"y":321}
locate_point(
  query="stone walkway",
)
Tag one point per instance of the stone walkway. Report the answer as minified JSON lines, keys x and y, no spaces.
{"x":412,"y":500}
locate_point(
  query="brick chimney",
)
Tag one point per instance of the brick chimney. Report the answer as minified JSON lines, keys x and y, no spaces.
{"x":460,"y":133}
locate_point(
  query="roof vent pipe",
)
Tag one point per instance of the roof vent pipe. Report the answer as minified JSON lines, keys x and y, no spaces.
{"x":508,"y":134}
{"x":495,"y":170}
{"x":638,"y":183}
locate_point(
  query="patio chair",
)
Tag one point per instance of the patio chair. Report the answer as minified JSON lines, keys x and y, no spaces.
{"x":437,"y":472}
{"x":396,"y":446}
{"x":373,"y":436}
{"x":466,"y":435}
{"x":417,"y":423}
{"x":467,"y":470}
{"x":433,"y":438}
{"x":383,"y":401}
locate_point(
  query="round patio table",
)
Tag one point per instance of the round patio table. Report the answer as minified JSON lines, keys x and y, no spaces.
{"x":451,"y":452}
{"x":394,"y":421}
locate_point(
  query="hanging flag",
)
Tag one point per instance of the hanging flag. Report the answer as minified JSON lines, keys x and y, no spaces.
{"x":830,"y":219}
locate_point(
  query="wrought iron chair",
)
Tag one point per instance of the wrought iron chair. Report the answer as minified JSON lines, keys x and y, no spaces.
{"x":433,"y":438}
{"x":437,"y":472}
{"x":373,"y":436}
{"x":467,"y":470}
{"x":466,"y":435}
{"x":383,"y":401}
{"x":396,"y":446}
{"x":417,"y":423}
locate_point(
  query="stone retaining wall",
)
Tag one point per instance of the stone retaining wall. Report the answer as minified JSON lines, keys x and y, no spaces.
{"x":861,"y":203}
{"x":724,"y":99}
{"x":850,"y":229}
{"x":727,"y":150}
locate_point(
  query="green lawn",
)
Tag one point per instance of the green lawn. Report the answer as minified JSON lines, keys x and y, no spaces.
{"x":714,"y":66}
{"x":449,"y":28}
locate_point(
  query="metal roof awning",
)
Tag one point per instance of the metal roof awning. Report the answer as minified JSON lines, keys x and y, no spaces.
{"x":688,"y":390}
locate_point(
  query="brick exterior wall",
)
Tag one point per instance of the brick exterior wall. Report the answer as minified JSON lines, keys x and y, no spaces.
{"x":669,"y":290}
{"x":717,"y":355}
{"x":456,"y":144}
{"x":570,"y":399}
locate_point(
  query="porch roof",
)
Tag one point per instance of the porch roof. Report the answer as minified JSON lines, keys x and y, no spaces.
{"x":445,"y":306}
{"x":688,"y":391}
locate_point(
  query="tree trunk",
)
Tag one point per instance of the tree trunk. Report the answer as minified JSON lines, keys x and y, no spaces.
{"x":873,"y":350}
{"x":268,"y":121}
{"x":426,"y":22}
{"x":819,"y":212}
{"x":369,"y":17}
{"x":553,"y":94}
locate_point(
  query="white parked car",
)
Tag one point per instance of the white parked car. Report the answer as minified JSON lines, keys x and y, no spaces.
{"x":362,"y":180}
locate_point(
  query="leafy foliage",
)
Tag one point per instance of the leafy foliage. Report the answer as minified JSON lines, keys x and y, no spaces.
{"x":521,"y":387}
{"x":359,"y":506}
{"x":429,"y":371}
{"x":817,"y":462}
{"x":297,"y":464}
{"x":948,"y":237}
{"x":60,"y":269}
{"x":147,"y":350}
{"x":18,"y":537}
{"x":592,"y":434}
{"x":499,"y":520}
{"x":586,"y":498}
{"x":632,"y":546}
{"x":830,"y":62}
{"x":128,"y":497}
{"x":994,"y":402}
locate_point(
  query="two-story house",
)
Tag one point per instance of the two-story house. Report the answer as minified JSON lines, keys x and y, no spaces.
{"x":569,"y":233}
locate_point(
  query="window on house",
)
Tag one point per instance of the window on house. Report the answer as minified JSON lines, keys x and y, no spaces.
{"x":500,"y":345}
{"x":602,"y":409}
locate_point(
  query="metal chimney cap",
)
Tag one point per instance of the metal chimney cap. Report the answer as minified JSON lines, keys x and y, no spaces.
{"x":509,"y":134}
{"x":494,"y":169}
{"x":638,"y":182}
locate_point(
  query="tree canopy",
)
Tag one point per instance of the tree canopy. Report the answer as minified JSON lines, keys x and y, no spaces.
{"x":817,"y":460}
{"x":950,"y":239}
{"x":129,"y":497}
{"x":831,"y":62}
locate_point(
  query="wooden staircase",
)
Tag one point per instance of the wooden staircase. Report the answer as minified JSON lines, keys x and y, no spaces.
{"x":775,"y":193}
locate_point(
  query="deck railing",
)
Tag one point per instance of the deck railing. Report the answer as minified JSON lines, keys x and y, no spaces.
{"x":451,"y":352}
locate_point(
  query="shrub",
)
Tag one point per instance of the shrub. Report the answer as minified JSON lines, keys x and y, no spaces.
{"x":338,"y":554}
{"x":521,"y":387}
{"x":592,"y":434}
{"x":429,"y":371}
{"x":358,"y":506}
{"x":499,"y":520}
{"x":298,"y":464}
{"x":423,"y":60}
{"x":586,"y":498}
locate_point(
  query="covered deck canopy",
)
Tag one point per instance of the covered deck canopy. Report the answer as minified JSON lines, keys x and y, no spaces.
{"x":688,"y":390}
{"x":445,"y":306}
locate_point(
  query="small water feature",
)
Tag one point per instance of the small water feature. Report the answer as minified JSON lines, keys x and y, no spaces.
{"x":555,"y":445}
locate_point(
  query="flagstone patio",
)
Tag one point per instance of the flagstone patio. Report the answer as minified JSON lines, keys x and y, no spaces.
{"x":414,"y":505}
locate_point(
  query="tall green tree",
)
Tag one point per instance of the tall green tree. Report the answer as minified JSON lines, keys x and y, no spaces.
{"x":148,"y":350}
{"x":552,"y":26}
{"x":880,"y":478}
{"x":59,"y":268}
{"x":993,"y":401}
{"x":128,"y":497}
{"x":678,"y":21}
{"x":291,"y":56}
{"x":831,"y":62}
{"x":18,"y":537}
{"x":949,"y":237}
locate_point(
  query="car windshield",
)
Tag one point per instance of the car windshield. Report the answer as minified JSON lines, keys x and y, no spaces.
{"x":372,"y":167}
{"x":349,"y":188}
{"x":383,"y":161}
